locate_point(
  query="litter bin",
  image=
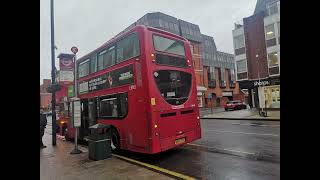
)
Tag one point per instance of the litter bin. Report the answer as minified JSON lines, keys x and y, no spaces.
{"x":99,"y":142}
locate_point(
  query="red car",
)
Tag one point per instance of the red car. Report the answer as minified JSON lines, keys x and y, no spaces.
{"x":235,"y":105}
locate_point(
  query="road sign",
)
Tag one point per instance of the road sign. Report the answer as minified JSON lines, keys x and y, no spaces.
{"x":70,"y":91}
{"x":74,"y":50}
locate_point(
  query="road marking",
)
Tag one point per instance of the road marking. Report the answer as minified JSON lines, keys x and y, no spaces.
{"x":250,"y":124}
{"x":226,"y":149}
{"x":175,"y":174}
{"x":244,"y":152}
{"x":242,"y":133}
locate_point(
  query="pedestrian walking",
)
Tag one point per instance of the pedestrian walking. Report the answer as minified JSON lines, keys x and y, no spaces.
{"x":43,"y":124}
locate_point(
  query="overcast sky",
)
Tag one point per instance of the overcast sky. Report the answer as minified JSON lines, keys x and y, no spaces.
{"x":87,"y":24}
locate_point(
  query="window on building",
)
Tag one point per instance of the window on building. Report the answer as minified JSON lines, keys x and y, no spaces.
{"x":269,"y":30}
{"x":241,"y":66}
{"x":273,"y":9}
{"x":166,"y":25}
{"x":176,"y":27}
{"x":84,"y":68}
{"x":273,"y":59}
{"x":171,"y":26}
{"x":211,"y":76}
{"x":160,"y":22}
{"x":239,"y":41}
{"x":113,"y":106}
{"x":232,"y":75}
{"x":128,"y":48}
{"x":191,"y":48}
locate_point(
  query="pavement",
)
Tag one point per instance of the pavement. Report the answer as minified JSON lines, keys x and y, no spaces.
{"x":244,"y":114}
{"x":229,"y":149}
{"x":56,"y":163}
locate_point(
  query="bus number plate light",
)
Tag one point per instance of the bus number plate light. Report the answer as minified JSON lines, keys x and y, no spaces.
{"x":180,"y":141}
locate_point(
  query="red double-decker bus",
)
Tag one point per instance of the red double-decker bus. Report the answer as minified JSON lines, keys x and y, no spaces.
{"x":142,"y":83}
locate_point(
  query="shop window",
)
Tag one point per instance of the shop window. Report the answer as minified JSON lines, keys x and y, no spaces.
{"x":272,"y":96}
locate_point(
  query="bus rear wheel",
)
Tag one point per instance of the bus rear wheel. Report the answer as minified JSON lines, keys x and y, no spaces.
{"x":115,"y":140}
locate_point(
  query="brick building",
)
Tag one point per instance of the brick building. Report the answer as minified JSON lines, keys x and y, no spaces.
{"x":45,"y":97}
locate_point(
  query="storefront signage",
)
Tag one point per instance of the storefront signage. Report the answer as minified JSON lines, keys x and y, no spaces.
{"x":66,"y":76}
{"x":66,"y":62}
{"x":119,"y":77}
{"x":255,"y":83}
{"x":261,"y":83}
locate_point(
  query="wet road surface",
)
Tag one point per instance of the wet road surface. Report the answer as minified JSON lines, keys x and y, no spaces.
{"x":228,"y":150}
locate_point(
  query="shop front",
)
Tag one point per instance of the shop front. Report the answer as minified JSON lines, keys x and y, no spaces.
{"x":200,"y":95}
{"x":263,"y":93}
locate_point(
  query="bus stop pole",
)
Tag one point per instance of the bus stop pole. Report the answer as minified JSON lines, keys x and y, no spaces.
{"x":75,"y":93}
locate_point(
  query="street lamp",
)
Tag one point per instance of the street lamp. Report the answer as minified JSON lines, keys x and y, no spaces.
{"x":262,"y":113}
{"x":53,"y":76}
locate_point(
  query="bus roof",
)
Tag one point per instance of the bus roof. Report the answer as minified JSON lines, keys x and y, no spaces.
{"x":128,"y":31}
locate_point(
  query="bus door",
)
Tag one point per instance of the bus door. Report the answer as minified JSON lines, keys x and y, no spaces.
{"x":84,"y":119}
{"x":92,"y":111}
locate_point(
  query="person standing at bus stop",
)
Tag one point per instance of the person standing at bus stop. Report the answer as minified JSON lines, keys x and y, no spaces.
{"x":43,"y":123}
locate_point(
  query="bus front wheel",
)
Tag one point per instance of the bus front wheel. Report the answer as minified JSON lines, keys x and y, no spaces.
{"x":115,"y":140}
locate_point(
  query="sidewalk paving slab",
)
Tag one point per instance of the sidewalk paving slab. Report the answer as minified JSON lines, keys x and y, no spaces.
{"x":56,"y":163}
{"x":245,"y":114}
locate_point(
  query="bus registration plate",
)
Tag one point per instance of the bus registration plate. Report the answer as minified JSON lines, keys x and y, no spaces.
{"x":180,"y":141}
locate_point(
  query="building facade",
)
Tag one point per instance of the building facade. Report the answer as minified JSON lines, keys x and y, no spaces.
{"x":257,"y":55}
{"x":45,"y":97}
{"x":204,"y":55}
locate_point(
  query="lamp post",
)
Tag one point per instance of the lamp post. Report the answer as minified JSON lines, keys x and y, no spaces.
{"x":262,"y":113}
{"x":53,"y":76}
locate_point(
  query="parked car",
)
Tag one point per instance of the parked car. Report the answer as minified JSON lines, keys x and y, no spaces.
{"x":235,"y":105}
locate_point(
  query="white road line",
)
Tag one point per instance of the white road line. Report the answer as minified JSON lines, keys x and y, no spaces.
{"x":262,"y":125}
{"x":244,"y":152}
{"x":226,"y":149}
{"x":242,"y":133}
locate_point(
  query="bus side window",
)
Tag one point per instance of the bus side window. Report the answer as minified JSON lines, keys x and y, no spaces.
{"x":123,"y":98}
{"x":113,"y":106}
{"x":128,"y":47}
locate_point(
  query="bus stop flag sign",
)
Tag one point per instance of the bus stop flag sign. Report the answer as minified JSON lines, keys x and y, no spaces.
{"x":74,"y":50}
{"x":76,"y":114}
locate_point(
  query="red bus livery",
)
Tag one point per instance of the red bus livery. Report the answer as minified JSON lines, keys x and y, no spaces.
{"x":142,"y":83}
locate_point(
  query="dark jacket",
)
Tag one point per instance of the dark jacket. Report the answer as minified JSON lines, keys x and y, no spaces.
{"x":43,"y":120}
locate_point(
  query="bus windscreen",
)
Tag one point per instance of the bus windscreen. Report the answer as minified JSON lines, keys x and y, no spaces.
{"x":168,"y":45}
{"x":174,"y":86}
